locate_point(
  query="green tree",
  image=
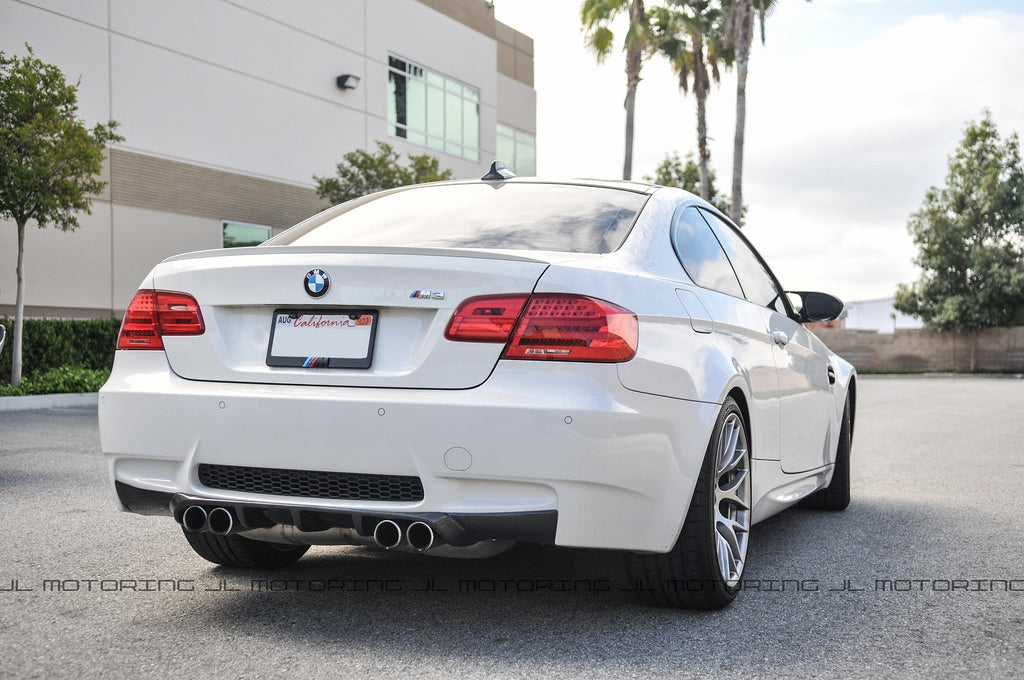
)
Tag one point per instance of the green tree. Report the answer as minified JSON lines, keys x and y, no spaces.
{"x":597,"y":16}
{"x":672,"y":172}
{"x":689,"y":34}
{"x":49,"y":160}
{"x":970,"y":239}
{"x":362,"y":173}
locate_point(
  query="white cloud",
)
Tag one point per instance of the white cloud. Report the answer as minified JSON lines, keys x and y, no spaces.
{"x":852,"y":112}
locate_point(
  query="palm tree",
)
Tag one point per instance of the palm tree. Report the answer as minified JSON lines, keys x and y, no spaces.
{"x":739,"y":32}
{"x":689,"y":34}
{"x":739,"y":35}
{"x":597,"y":16}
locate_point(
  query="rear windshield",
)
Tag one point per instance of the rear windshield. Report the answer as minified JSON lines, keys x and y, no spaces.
{"x":507,"y":216}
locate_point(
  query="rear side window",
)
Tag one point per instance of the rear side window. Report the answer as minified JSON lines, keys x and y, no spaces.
{"x":503,"y":216}
{"x":758,"y":283}
{"x":701,"y":254}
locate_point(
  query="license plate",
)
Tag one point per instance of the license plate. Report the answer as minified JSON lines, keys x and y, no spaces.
{"x":322,"y":339}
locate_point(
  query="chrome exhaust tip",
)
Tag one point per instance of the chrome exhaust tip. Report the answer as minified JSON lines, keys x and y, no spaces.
{"x":220,"y":521}
{"x":387,"y":534}
{"x":420,"y":536}
{"x":194,"y":519}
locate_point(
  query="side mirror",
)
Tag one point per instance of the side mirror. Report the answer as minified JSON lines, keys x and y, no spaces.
{"x":3,"y":336}
{"x":816,"y":306}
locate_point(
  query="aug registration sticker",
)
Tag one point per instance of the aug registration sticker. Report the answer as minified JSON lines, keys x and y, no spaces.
{"x":317,"y":339}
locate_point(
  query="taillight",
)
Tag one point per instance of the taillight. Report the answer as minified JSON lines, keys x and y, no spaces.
{"x":573,"y":328}
{"x":486,"y":319}
{"x":152,"y":314}
{"x":559,"y":327}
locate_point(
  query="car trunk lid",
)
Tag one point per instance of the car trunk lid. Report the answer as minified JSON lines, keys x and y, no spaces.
{"x":405,"y":296}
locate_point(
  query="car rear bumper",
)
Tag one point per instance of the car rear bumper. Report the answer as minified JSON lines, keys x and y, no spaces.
{"x":567,"y":441}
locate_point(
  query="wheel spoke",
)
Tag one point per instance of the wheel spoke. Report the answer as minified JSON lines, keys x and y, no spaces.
{"x":727,"y":534}
{"x":732,"y":546}
{"x":734,"y":491}
{"x":726,"y":565}
{"x":727,"y":458}
{"x":731,"y":496}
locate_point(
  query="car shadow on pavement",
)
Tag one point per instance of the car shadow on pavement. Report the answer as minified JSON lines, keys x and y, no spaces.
{"x":808,"y":572}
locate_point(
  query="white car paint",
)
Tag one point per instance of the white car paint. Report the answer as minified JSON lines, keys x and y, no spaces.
{"x":614,"y":449}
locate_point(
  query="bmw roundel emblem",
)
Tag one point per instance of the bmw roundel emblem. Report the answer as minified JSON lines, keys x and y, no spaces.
{"x":317,"y":282}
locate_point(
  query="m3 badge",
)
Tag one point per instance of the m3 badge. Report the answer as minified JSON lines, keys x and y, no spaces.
{"x":428,"y":294}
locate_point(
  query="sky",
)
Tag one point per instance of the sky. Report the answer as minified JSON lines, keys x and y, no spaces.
{"x":853,"y":109}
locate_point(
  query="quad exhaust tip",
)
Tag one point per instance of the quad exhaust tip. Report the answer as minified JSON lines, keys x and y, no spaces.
{"x":387,"y":534}
{"x":218,"y":521}
{"x":420,"y":536}
{"x":195,"y":519}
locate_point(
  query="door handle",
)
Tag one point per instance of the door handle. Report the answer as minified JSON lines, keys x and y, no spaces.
{"x":780,"y":338}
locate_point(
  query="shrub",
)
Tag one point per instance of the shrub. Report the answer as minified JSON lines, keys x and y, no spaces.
{"x":84,"y":344}
{"x":62,"y":380}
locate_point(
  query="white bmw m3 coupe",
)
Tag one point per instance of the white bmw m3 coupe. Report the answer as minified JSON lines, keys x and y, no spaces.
{"x":454,"y":367}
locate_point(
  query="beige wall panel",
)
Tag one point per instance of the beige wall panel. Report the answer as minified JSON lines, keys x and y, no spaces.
{"x":488,"y":138}
{"x":473,"y":13}
{"x":226,"y":37}
{"x":506,"y":60}
{"x":90,"y":11}
{"x":178,"y":107}
{"x":77,"y":49}
{"x":142,"y":238}
{"x":524,"y":68}
{"x":515,"y":54}
{"x":504,"y":33}
{"x":517,"y":104}
{"x":524,"y":43}
{"x":62,"y":269}
{"x":171,"y":186}
{"x":338,"y":23}
{"x":375,"y":88}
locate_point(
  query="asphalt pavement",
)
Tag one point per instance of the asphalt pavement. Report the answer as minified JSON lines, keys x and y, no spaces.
{"x":922,"y":576}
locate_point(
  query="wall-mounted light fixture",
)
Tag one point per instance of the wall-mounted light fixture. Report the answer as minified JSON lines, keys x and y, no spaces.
{"x":348,"y":81}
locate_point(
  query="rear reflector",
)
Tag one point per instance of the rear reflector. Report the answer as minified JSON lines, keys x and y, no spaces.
{"x":154,"y":314}
{"x":559,"y":327}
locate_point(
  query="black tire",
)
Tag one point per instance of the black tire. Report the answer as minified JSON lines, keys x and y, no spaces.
{"x":691,"y":575}
{"x":236,"y":551}
{"x":836,"y":496}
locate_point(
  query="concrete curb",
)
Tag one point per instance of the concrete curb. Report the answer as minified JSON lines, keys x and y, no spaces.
{"x":37,"y":402}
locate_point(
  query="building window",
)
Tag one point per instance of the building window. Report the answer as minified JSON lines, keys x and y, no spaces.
{"x":518,"y":150}
{"x":241,"y":234}
{"x":433,"y":110}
